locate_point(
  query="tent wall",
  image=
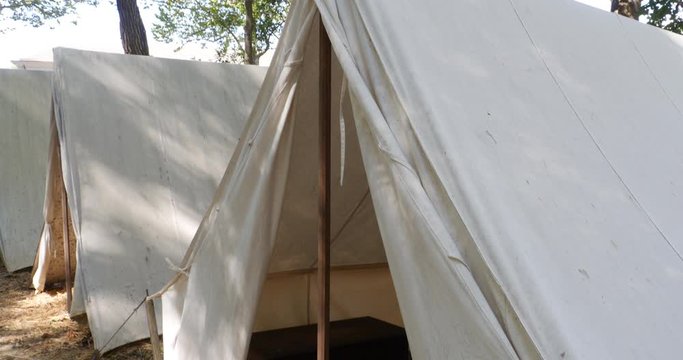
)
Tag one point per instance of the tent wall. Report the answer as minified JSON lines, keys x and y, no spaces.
{"x":24,"y":122}
{"x":143,"y":143}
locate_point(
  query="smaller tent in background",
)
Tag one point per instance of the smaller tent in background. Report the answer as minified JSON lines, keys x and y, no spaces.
{"x":141,"y":144}
{"x":33,"y":64}
{"x":24,"y":122}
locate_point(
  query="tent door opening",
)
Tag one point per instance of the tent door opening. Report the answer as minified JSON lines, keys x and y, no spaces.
{"x":362,"y":300}
{"x":57,"y":265}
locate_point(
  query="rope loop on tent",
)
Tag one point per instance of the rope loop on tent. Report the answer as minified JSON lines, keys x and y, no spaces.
{"x":176,"y":268}
{"x":294,"y":63}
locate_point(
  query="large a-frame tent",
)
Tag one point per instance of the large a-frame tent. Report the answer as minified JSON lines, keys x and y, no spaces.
{"x":24,"y":115}
{"x":523,"y":159}
{"x":141,"y":144}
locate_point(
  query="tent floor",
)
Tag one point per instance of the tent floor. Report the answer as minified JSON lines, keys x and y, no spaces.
{"x":360,"y":338}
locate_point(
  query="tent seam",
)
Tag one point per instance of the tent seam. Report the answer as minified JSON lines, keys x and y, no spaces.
{"x":593,"y":139}
{"x":647,"y":65}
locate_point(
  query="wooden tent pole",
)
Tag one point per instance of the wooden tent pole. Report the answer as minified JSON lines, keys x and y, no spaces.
{"x":67,"y":247}
{"x":152,"y":327}
{"x":325,"y":112}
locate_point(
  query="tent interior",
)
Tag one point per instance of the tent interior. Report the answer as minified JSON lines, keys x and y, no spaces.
{"x":24,"y":115}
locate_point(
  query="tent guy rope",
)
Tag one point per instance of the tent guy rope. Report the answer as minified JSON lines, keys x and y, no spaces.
{"x":98,"y":352}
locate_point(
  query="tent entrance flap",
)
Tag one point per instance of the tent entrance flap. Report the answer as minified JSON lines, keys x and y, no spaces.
{"x":354,"y":264}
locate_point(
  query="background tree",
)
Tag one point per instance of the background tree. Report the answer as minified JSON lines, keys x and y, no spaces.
{"x":666,"y":14}
{"x":36,"y":12}
{"x":242,"y":30}
{"x":133,"y":35}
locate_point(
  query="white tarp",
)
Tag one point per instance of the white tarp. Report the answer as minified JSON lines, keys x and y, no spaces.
{"x":524,"y":163}
{"x":144,"y":142}
{"x":24,"y":123}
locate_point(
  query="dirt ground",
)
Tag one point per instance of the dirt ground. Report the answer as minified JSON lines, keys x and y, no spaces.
{"x":36,"y":326}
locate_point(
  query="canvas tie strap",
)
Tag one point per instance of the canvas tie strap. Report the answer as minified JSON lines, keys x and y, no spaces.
{"x":175,"y":267}
{"x":342,"y":131}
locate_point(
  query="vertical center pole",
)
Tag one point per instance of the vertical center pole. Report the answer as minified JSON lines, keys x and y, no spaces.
{"x":325,"y":117}
{"x":67,"y":248}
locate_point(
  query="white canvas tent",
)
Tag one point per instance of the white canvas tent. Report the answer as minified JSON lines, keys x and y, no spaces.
{"x":528,"y":203}
{"x":24,"y":115}
{"x":143,"y":143}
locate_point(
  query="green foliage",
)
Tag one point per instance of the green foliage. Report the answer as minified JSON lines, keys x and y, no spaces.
{"x":220,"y":23}
{"x":666,"y":14}
{"x":35,"y":12}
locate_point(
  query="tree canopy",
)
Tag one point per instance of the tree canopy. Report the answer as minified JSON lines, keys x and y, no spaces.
{"x":666,"y":14}
{"x":36,"y":12}
{"x":241,"y":30}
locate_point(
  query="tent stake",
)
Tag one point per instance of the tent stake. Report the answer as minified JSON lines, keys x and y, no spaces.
{"x":152,"y":326}
{"x":67,"y":248}
{"x":324,"y":86}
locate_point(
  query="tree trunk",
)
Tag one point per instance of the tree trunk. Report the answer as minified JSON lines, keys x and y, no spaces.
{"x":628,"y":8}
{"x":250,"y":55}
{"x":133,"y":35}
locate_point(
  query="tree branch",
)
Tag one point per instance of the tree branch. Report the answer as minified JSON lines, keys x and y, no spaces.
{"x":265,"y":49}
{"x":236,"y":39}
